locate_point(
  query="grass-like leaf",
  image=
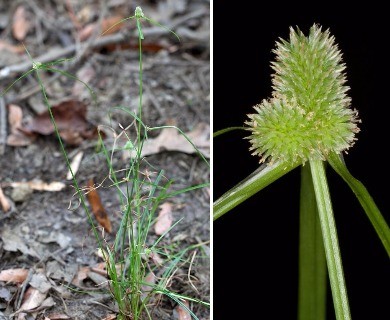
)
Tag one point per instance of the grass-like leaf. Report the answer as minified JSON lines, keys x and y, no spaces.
{"x":222,"y":131}
{"x":366,"y":201}
{"x":255,"y":182}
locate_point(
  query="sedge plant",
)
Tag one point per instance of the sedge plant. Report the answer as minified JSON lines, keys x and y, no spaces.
{"x":128,"y":259}
{"x":307,"y":123}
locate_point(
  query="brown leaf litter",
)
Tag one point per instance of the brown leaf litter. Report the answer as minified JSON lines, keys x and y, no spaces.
{"x":75,"y":165}
{"x":182,"y":313}
{"x":104,"y":26}
{"x":4,"y":45}
{"x":20,"y":23}
{"x":17,"y":275}
{"x":4,"y":201}
{"x":170,"y":139}
{"x":71,"y":122}
{"x":164,"y":219}
{"x":97,"y":207}
{"x":17,"y":138}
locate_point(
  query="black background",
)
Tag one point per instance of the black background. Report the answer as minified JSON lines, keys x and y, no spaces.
{"x":255,"y":261}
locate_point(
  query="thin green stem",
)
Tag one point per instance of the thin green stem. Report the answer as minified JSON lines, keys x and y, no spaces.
{"x":75,"y":183}
{"x":365,"y":200}
{"x":140,"y":81}
{"x":255,"y":182}
{"x":312,"y":262}
{"x":222,"y":131}
{"x":329,"y":232}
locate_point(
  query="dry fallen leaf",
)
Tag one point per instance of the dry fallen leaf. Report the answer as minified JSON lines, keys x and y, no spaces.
{"x":110,"y":317}
{"x":70,"y":117}
{"x":32,"y":299}
{"x":75,"y":164}
{"x":20,"y":23}
{"x":54,"y":236}
{"x":85,"y":74}
{"x":100,"y":268}
{"x":80,"y":276}
{"x":14,"y":275}
{"x":39,"y":185}
{"x":15,"y":116}
{"x":99,"y":280}
{"x":164,"y":219}
{"x":5,"y":204}
{"x":40,"y":282}
{"x":5,"y":294}
{"x":156,"y":258}
{"x":171,"y":140}
{"x":150,"y":279}
{"x":4,"y":45}
{"x":22,"y":316}
{"x":16,"y":137}
{"x":57,"y":316}
{"x":13,"y":241}
{"x":97,"y":207}
{"x":88,"y":30}
{"x":101,"y":253}
{"x":183,"y":314}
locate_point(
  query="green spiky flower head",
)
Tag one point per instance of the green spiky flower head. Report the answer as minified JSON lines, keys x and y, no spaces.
{"x":309,"y":114}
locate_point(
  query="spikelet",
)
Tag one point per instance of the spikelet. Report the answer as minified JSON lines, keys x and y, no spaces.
{"x":309,"y":114}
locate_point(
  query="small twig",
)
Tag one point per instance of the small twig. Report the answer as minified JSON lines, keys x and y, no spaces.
{"x":3,"y":126}
{"x":194,"y":166}
{"x":198,"y":36}
{"x":82,"y":48}
{"x":189,"y":272}
{"x":181,"y":20}
{"x":59,"y":295}
{"x":180,"y":63}
{"x":201,"y":77}
{"x":25,"y":66}
{"x":53,"y":255}
{"x":189,"y":83}
{"x":33,"y":89}
{"x":24,"y":287}
{"x":100,"y":42}
{"x":47,"y":20}
{"x":103,"y":305}
{"x":72,"y":15}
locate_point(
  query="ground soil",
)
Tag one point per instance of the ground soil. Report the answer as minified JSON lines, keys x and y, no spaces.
{"x":45,"y":233}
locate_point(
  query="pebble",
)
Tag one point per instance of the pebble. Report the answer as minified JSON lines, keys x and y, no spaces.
{"x":21,"y":193}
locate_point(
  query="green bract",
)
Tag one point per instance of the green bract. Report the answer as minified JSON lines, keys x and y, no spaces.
{"x":309,"y":115}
